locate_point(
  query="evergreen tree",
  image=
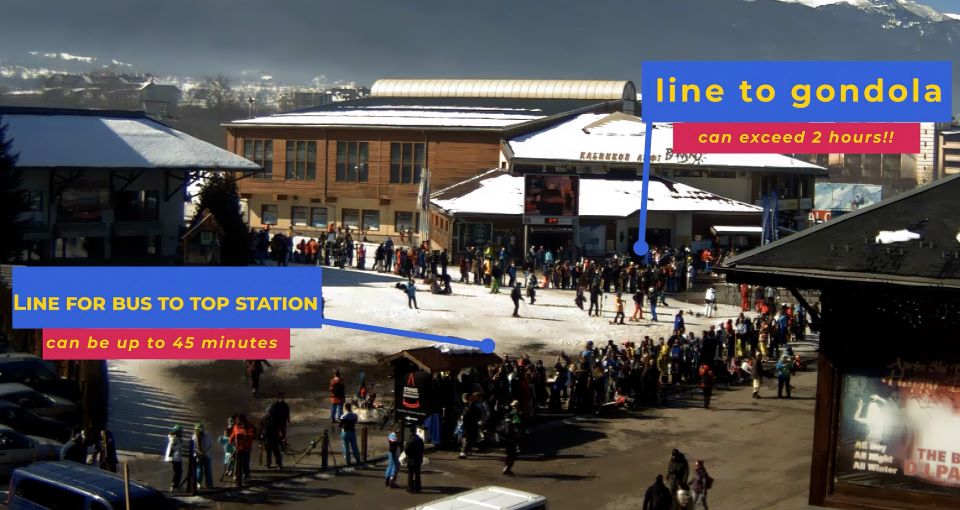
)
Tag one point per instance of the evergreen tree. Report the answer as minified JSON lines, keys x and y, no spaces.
{"x":220,"y":196}
{"x":13,"y":200}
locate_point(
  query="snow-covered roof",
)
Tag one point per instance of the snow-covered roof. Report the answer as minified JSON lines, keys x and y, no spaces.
{"x":400,"y":117}
{"x":497,"y":192}
{"x":618,"y":137}
{"x":736,"y":229}
{"x":46,"y":138}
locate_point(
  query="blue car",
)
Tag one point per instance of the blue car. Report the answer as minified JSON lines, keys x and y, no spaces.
{"x":71,"y":486}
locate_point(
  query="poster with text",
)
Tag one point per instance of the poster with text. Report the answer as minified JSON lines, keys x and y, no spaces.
{"x":901,"y":429}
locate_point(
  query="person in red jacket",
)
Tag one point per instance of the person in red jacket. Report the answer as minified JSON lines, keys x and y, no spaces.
{"x":337,"y":397}
{"x":242,"y":437}
{"x":707,"y":383}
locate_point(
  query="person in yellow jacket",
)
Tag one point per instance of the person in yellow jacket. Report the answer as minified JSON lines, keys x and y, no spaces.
{"x":487,"y":271}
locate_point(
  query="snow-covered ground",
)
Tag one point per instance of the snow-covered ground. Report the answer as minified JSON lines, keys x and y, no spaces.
{"x":554,"y":323}
{"x":147,"y":398}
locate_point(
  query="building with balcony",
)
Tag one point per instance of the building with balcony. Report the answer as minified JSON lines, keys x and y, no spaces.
{"x":106,"y":185}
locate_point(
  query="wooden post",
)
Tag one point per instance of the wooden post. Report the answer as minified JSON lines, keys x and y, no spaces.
{"x":324,"y":450}
{"x":126,"y":484}
{"x":363,"y":444}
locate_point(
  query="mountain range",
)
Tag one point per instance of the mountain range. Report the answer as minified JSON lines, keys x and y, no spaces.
{"x":295,"y":40}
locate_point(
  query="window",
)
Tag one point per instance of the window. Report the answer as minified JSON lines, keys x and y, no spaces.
{"x":134,"y":246}
{"x":34,"y":214}
{"x":406,"y":162}
{"x":318,"y":217}
{"x":48,"y":496}
{"x":352,"y":158}
{"x":298,"y":215}
{"x":371,"y":220}
{"x":351,"y":218}
{"x":723,"y":174}
{"x":82,"y":205}
{"x":261,"y":153}
{"x":268,"y":214}
{"x":404,"y":221}
{"x":301,"y":160}
{"x":136,"y":205}
{"x":79,"y":248}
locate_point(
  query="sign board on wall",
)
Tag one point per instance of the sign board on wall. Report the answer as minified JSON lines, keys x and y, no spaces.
{"x":900,"y":429}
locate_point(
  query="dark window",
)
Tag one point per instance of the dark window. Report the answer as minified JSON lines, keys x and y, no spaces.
{"x":301,"y":160}
{"x":135,"y":246}
{"x":34,"y":213}
{"x":404,"y":221}
{"x":318,"y":216}
{"x":136,"y":205}
{"x":268,"y":214}
{"x":298,"y":215}
{"x":406,"y":162}
{"x":82,"y":205}
{"x":371,"y":220}
{"x":261,"y":153}
{"x":350,"y":218}
{"x":352,"y":161}
{"x":79,"y":248}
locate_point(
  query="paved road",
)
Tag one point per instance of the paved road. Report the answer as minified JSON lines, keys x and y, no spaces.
{"x":606,"y":463}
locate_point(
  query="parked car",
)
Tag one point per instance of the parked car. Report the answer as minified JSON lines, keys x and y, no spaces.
{"x":26,"y":422}
{"x":72,"y":486}
{"x":489,"y":498}
{"x":38,"y":374}
{"x":18,"y":450}
{"x":41,"y":404}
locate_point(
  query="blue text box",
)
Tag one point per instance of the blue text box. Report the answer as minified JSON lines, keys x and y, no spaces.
{"x":183,"y":282}
{"x":783,"y":76}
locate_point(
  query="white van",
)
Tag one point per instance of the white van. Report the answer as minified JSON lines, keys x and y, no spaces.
{"x":489,"y":498}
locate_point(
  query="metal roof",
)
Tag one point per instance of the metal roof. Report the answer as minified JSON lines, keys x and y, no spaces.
{"x":537,"y":89}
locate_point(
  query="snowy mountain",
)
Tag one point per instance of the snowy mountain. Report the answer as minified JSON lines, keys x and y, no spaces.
{"x":897,"y":11}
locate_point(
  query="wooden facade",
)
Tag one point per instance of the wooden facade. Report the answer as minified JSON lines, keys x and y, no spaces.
{"x":451,"y":156}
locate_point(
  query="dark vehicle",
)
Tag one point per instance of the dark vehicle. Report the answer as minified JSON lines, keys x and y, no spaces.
{"x":73,"y":486}
{"x":28,"y":369}
{"x":39,"y":403}
{"x":26,"y":422}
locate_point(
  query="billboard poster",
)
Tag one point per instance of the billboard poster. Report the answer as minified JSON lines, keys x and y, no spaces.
{"x":838,"y":196}
{"x":899,"y":429}
{"x":414,"y":395}
{"x":551,"y":195}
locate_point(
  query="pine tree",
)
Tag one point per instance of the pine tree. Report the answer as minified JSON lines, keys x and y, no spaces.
{"x":221,"y":197}
{"x":13,"y":200}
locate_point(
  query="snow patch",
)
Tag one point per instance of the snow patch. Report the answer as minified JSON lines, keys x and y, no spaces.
{"x":79,"y":58}
{"x":896,"y":236}
{"x":266,"y":77}
{"x":952,"y":15}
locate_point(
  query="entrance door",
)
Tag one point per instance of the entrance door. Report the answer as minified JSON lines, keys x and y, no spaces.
{"x":551,"y":238}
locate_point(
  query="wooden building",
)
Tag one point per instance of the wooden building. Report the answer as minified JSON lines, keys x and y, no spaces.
{"x":358,"y":163}
{"x":106,"y":185}
{"x":887,"y":414}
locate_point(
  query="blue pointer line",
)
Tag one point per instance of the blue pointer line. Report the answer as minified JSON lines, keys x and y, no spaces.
{"x":641,"y":247}
{"x":487,"y":345}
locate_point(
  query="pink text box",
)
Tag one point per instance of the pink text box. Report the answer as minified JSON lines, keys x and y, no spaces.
{"x":795,"y":137}
{"x":80,"y":344}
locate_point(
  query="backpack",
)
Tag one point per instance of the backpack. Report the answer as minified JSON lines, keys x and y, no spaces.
{"x":709,"y":483}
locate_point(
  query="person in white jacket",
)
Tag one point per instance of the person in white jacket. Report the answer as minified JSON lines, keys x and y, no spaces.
{"x":174,"y":455}
{"x":711,"y":302}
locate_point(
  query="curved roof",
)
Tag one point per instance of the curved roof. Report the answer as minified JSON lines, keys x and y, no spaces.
{"x":541,"y":89}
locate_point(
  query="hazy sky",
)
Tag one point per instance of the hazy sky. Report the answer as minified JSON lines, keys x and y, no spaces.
{"x":366,"y":39}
